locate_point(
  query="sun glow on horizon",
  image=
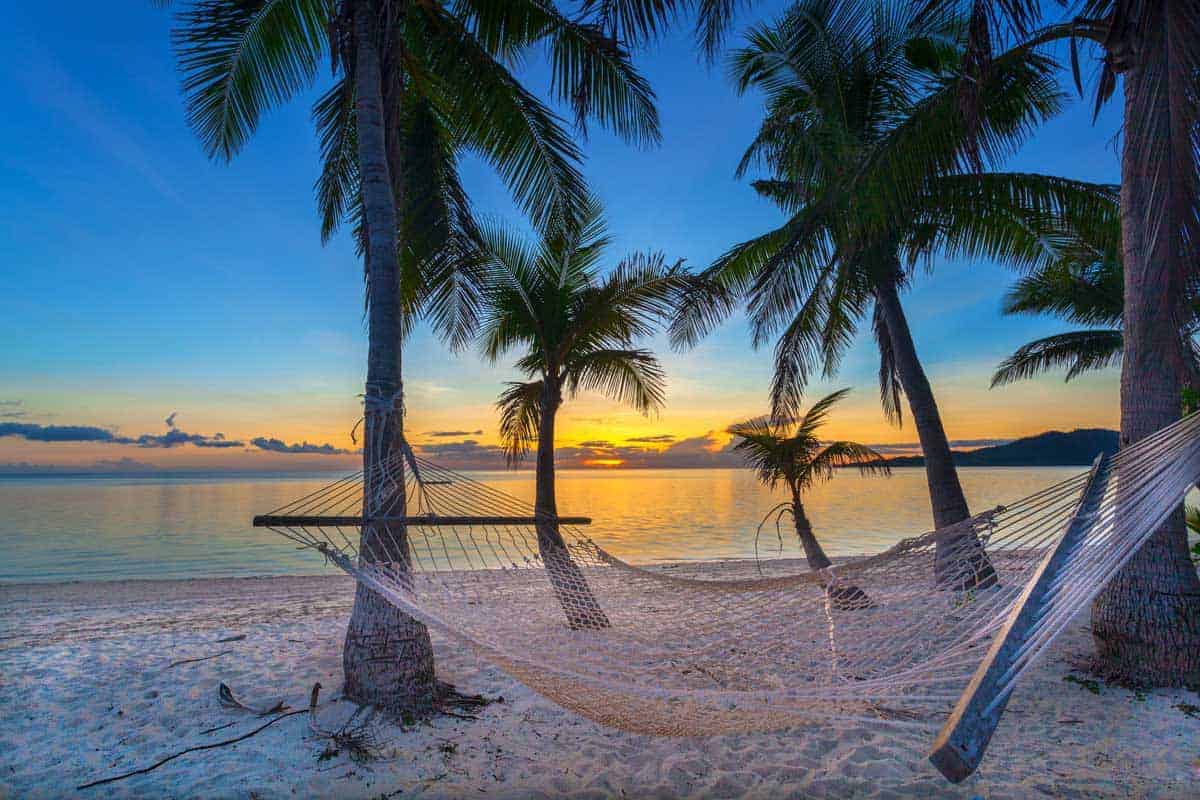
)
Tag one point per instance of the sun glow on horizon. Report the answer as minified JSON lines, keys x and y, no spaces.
{"x":604,"y":462}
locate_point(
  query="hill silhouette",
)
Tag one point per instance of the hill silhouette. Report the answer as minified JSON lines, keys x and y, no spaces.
{"x":1049,"y":449}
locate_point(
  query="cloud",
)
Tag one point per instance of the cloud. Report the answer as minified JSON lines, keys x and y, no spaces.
{"x":60,"y":433}
{"x":280,"y":446}
{"x":661,"y":438}
{"x":175,"y":437}
{"x":11,"y":403}
{"x":468,"y":454}
{"x":452,"y":434}
{"x":596,"y":443}
{"x":90,"y":433}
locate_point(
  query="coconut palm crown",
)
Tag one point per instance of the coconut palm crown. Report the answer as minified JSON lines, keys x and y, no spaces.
{"x":791,"y":452}
{"x":574,"y":329}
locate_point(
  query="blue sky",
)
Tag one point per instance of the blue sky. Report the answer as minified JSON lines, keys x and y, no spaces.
{"x":142,"y":279}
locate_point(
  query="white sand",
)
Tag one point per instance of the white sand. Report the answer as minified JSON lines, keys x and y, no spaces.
{"x":86,"y":691}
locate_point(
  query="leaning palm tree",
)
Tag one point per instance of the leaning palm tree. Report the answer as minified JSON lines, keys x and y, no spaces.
{"x":790,"y":452}
{"x":866,"y":153}
{"x":1144,"y":623}
{"x":574,"y":330}
{"x":413,"y":85}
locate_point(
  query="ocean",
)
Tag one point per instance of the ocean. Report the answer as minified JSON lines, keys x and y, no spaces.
{"x":93,"y":527}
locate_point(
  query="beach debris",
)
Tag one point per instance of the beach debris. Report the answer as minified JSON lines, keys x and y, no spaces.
{"x":355,"y":735}
{"x":235,"y":638}
{"x":453,"y":703}
{"x":207,"y":731}
{"x":202,"y":658}
{"x":1189,"y":709}
{"x":230,"y":700}
{"x":199,"y":747}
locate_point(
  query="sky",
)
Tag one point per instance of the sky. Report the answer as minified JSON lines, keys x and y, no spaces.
{"x":161,"y":311}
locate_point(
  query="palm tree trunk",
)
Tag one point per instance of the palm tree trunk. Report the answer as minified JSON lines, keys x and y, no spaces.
{"x":570,"y":586}
{"x":960,"y":563}
{"x":813,"y":552}
{"x":1146,"y":623}
{"x":388,"y":656}
{"x":843,"y":596}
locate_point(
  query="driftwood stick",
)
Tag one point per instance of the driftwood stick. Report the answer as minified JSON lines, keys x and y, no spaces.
{"x":194,"y":660}
{"x":218,"y":728}
{"x":194,"y":749}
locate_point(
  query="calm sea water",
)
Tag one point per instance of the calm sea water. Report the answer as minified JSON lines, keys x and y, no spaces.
{"x":108,"y":527}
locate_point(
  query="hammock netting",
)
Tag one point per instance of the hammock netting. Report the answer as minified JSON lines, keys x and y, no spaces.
{"x":893,"y":638}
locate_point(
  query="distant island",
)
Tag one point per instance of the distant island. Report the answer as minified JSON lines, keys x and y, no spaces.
{"x":1049,"y":449}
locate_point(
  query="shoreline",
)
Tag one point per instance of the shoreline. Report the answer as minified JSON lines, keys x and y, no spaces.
{"x":100,"y":682}
{"x":684,"y":564}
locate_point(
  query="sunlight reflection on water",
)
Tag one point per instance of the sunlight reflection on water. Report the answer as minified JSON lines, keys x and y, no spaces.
{"x":97,"y":528}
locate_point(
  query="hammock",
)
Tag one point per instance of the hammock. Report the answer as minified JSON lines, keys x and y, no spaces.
{"x":644,"y":651}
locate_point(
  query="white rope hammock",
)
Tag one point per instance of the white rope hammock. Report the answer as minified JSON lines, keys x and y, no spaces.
{"x":648,"y":652}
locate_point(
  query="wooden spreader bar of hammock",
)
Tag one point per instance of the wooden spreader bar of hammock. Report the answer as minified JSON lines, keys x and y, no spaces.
{"x":960,"y":745}
{"x":424,"y":520}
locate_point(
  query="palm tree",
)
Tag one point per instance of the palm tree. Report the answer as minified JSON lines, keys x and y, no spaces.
{"x":790,"y":452}
{"x":413,"y":84}
{"x":1146,"y":622}
{"x":1084,"y":284}
{"x":866,"y":147}
{"x":574,"y":330}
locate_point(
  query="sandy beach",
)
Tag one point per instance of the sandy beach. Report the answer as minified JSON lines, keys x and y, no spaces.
{"x":97,"y":679}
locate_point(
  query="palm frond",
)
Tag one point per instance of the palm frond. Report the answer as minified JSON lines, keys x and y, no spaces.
{"x":1077,"y":351}
{"x":1087,"y":293}
{"x":633,"y":377}
{"x":890,"y":389}
{"x":241,"y":57}
{"x":520,"y":416}
{"x":337,"y":187}
{"x":1022,"y":220}
{"x":799,"y":350}
{"x":815,"y":417}
{"x":633,"y":299}
{"x":703,"y":305}
{"x":510,"y":318}
{"x":760,"y":443}
{"x":440,"y":268}
{"x":633,"y":21}
{"x":496,"y":117}
{"x":837,"y":455}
